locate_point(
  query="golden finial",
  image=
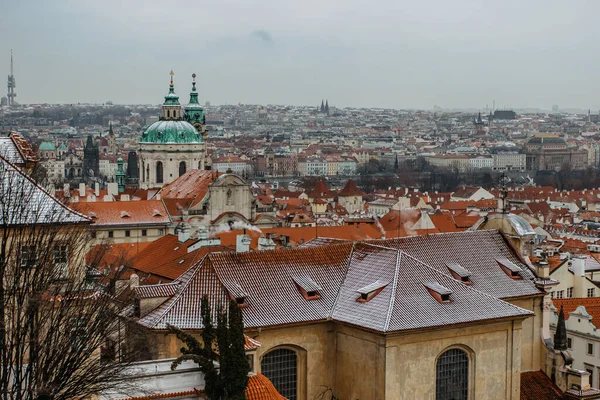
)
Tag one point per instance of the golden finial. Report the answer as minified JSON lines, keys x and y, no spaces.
{"x":171,"y":73}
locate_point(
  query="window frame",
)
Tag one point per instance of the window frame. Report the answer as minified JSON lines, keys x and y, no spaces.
{"x":470,"y":369}
{"x":28,"y":256}
{"x":589,"y":349}
{"x":592,"y":291}
{"x":301,"y":367}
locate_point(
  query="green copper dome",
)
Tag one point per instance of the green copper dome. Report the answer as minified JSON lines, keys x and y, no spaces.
{"x":171,"y":132}
{"x":47,"y":146}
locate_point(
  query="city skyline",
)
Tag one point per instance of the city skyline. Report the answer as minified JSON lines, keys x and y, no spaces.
{"x":388,"y":55}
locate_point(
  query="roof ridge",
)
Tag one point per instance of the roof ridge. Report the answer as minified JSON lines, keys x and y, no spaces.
{"x":175,"y":298}
{"x":339,"y":288}
{"x":394,"y":286}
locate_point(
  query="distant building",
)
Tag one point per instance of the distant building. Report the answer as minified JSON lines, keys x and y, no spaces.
{"x":505,"y":114}
{"x":509,"y":161}
{"x":550,"y":152}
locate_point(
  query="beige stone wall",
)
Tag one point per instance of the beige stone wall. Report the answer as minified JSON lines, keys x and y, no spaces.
{"x":360,"y":364}
{"x":351,"y":203}
{"x":532,"y":348}
{"x":495,"y":361}
{"x":119,"y":235}
{"x":193,"y":154}
{"x":316,"y":345}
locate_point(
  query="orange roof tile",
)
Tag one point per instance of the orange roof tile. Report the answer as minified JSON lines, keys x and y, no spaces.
{"x":260,"y":388}
{"x":298,"y":236}
{"x":591,"y":304}
{"x":191,"y":185}
{"x":350,"y":189}
{"x":115,"y":213}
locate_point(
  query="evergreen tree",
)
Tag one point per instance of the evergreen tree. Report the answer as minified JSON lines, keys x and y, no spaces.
{"x":229,"y":381}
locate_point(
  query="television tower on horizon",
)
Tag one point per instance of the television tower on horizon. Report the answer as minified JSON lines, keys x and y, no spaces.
{"x":11,"y":83}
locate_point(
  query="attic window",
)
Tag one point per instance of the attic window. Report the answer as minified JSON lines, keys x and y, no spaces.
{"x":438,"y":292}
{"x":156,"y":213}
{"x":370,"y":291}
{"x":238,"y":294}
{"x":459,"y":273}
{"x":509,"y":268}
{"x":125,"y":214}
{"x":307,"y":287}
{"x":92,"y":214}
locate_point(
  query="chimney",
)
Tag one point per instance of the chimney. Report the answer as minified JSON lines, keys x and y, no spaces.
{"x":183,"y":232}
{"x":125,"y":197}
{"x":113,"y":189}
{"x":543,"y":270}
{"x":265,"y":244}
{"x":134,"y":281}
{"x":242,"y":243}
{"x":97,"y":189}
{"x":578,"y":267}
{"x":82,"y":190}
{"x":578,"y":263}
{"x":578,"y":380}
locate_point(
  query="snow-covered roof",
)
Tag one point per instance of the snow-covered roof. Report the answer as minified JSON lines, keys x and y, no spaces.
{"x":23,"y":202}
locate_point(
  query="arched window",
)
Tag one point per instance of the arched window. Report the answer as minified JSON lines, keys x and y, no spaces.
{"x":281,"y":367}
{"x":159,"y":172}
{"x":182,"y":168}
{"x":452,"y":375}
{"x":168,"y":114}
{"x":147,"y":172}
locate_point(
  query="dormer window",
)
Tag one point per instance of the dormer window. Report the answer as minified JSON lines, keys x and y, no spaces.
{"x":156,"y":213}
{"x":237,"y":293}
{"x":509,"y":268}
{"x":459,"y":273}
{"x":438,"y":292}
{"x":307,"y":287}
{"x":125,"y":214}
{"x":371,"y":290}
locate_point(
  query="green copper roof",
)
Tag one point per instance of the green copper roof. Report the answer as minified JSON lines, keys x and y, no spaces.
{"x":171,"y":132}
{"x":62,"y":147}
{"x":47,"y":146}
{"x":194,"y":111}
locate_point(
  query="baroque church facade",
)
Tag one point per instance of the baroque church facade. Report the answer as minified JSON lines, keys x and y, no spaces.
{"x":174,"y":144}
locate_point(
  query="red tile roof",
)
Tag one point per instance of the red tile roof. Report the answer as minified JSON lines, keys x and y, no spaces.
{"x":297,"y":236}
{"x":191,"y":185}
{"x":195,"y":393}
{"x":321,"y":191}
{"x":591,"y":304}
{"x":169,"y":258}
{"x":350,"y":189}
{"x":125,"y":213}
{"x":535,"y":385}
{"x":260,"y":388}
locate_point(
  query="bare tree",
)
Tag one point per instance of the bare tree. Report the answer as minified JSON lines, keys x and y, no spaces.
{"x":55,"y":317}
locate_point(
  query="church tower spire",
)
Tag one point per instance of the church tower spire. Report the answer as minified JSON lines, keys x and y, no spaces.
{"x":171,"y":109}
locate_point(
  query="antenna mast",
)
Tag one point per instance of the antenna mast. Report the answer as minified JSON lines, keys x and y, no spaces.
{"x":11,"y":83}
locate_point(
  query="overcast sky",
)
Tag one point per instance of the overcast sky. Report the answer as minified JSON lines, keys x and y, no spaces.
{"x":376,"y":53}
